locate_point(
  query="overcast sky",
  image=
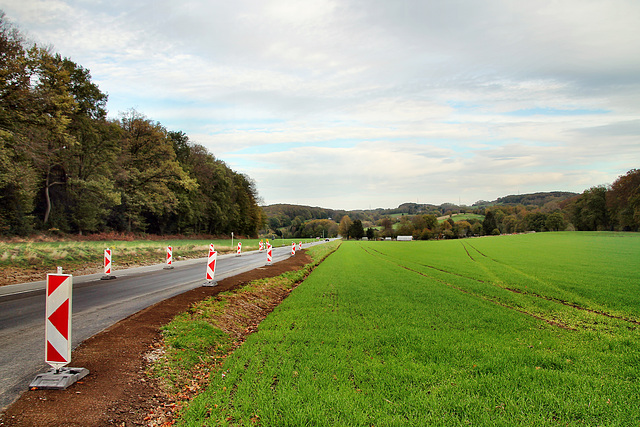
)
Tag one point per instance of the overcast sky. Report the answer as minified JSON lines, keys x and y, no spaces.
{"x":352,"y":104}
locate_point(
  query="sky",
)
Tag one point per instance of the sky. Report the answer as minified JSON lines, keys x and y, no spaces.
{"x":358,"y":104}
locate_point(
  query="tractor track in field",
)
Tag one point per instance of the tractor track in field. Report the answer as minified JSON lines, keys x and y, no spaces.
{"x":569,"y":304}
{"x":552,"y":299}
{"x":467,"y":292}
{"x":467,"y":251}
{"x":433,"y":268}
{"x":458,"y":288}
{"x":513,"y":290}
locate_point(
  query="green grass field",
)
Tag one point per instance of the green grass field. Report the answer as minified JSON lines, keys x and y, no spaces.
{"x":538,"y":329}
{"x":464,"y":217}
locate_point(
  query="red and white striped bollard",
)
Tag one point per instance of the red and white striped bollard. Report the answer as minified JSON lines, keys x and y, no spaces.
{"x":58,"y":323}
{"x":269,"y":254}
{"x":211,"y":267}
{"x":107,"y":261}
{"x":57,"y":352}
{"x":169,"y":265}
{"x":107,"y":265}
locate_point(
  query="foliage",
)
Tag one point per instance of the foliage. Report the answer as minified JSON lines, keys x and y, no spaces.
{"x":623,"y":201}
{"x":345,"y":226}
{"x":356,"y":230}
{"x":63,"y":165}
{"x":534,"y":199}
{"x":589,"y":211}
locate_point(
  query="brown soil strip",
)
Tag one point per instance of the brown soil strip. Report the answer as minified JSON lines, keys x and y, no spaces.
{"x":117,"y":390}
{"x":467,"y":251}
{"x":476,"y":249}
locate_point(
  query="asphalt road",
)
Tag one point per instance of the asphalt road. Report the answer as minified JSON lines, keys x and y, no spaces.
{"x":97,"y":304}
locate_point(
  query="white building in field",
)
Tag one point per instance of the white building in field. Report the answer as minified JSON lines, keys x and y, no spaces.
{"x":404,"y":238}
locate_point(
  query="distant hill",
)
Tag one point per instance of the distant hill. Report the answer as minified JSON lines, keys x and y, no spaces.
{"x":535,"y":199}
{"x":306,"y":213}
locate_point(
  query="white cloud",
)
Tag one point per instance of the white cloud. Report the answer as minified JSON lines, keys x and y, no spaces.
{"x":409,"y":100}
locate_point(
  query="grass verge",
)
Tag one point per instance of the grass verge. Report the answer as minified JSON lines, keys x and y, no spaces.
{"x":31,"y":260}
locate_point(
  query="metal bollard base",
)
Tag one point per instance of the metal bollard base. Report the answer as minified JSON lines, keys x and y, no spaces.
{"x":210,"y":283}
{"x":107,"y":277}
{"x":58,"y":379}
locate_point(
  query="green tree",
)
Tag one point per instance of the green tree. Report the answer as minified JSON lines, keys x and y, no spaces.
{"x":371,"y":234}
{"x":18,"y":184}
{"x":623,"y":201}
{"x":90,"y":166}
{"x":489,"y":224}
{"x":149,"y":167}
{"x":555,"y":222}
{"x":431,"y":221}
{"x":18,"y":179}
{"x":589,"y":211}
{"x":356,"y":230}
{"x":406,"y":229}
{"x":476,"y":229}
{"x":47,"y":137}
{"x":536,"y":221}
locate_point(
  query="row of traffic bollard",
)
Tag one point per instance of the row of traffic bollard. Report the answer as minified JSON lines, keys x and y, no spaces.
{"x":58,"y":316}
{"x":211,"y":259}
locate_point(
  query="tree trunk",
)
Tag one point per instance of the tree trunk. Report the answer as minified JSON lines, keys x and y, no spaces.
{"x":48,"y":199}
{"x":47,"y":196}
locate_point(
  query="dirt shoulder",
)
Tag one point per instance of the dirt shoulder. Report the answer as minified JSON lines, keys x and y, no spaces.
{"x":117,"y":391}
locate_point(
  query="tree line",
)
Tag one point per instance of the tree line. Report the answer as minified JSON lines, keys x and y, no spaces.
{"x":602,"y":208}
{"x":65,"y":166}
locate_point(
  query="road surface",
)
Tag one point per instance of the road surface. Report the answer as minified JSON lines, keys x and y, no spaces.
{"x":97,"y":304}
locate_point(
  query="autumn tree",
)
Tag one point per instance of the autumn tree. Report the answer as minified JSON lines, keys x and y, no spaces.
{"x":623,"y":201}
{"x":345,"y":224}
{"x":462,"y":228}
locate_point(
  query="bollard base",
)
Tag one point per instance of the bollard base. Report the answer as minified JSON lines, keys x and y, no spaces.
{"x":58,"y":379}
{"x":107,"y":277}
{"x":169,"y":267}
{"x":210,"y":283}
